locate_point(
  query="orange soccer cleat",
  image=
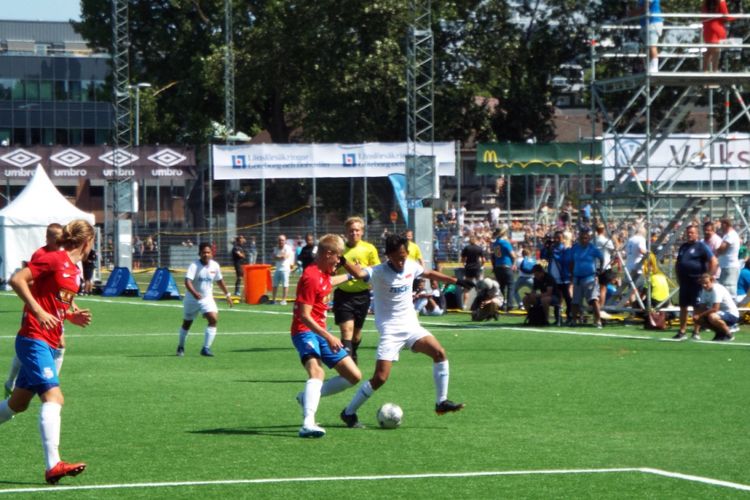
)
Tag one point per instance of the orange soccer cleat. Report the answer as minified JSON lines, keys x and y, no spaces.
{"x":62,"y":469}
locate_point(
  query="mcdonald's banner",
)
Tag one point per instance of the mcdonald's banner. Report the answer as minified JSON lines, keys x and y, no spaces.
{"x":559,"y":158}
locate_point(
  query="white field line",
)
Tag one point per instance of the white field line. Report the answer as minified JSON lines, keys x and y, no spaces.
{"x":645,"y":470}
{"x":482,"y":327}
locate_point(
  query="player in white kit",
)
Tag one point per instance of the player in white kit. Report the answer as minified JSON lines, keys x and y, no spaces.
{"x":399,"y":326}
{"x":199,"y":298}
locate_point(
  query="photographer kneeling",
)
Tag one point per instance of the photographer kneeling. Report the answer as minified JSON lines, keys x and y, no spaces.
{"x":543,"y":295}
{"x":488,"y":301}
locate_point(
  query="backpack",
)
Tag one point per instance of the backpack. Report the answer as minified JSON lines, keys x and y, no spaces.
{"x":535,"y":316}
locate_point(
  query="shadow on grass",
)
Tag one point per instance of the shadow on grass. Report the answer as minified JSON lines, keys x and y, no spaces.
{"x":22,"y":483}
{"x":287,"y":431}
{"x":261,"y":349}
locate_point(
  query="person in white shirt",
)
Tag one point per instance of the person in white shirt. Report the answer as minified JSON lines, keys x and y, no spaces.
{"x":715,"y":310}
{"x":399,"y":326}
{"x":606,"y":246}
{"x":199,"y":298}
{"x":283,"y":256}
{"x":713,"y":241}
{"x":729,"y":257}
{"x":635,"y":250}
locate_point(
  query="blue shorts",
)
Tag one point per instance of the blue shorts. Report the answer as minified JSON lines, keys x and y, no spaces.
{"x":38,"y":372}
{"x":311,"y":345}
{"x":728,"y":318}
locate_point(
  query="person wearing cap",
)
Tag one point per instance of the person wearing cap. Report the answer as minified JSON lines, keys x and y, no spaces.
{"x":587,"y":259}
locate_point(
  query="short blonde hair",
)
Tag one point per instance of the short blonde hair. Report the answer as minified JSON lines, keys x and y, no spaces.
{"x":332,"y":242}
{"x":353,"y":220}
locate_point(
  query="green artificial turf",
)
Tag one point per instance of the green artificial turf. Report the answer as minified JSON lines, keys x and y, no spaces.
{"x":538,"y":402}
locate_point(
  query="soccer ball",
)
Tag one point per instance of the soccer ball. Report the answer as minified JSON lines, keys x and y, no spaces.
{"x":390,"y":415}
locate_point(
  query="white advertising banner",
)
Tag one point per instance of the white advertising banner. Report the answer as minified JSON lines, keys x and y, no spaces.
{"x":287,"y":161}
{"x":727,"y":158}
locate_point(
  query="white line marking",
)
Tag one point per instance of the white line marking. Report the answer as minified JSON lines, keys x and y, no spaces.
{"x":645,"y":470}
{"x":698,"y":479}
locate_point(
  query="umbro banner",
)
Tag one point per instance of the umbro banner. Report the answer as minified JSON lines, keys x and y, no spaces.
{"x":98,"y":162}
{"x":285,"y":161}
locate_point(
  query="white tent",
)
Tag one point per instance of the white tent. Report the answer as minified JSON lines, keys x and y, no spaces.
{"x":24,"y":221}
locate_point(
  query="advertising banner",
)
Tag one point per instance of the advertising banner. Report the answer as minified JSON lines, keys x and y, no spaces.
{"x":98,"y":162}
{"x":559,"y":158}
{"x":288,"y":161}
{"x":725,"y":159}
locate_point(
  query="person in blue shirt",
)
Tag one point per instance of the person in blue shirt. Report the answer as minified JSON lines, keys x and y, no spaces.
{"x":586,"y":262}
{"x":743,"y":284}
{"x":504,"y":259}
{"x":652,"y":29}
{"x":558,"y":257}
{"x":694,"y":258}
{"x":525,"y":274}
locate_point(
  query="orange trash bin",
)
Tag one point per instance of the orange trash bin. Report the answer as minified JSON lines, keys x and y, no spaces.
{"x":257,"y":282}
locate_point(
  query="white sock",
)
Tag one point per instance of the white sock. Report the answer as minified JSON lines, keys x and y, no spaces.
{"x":334,"y":385}
{"x":183,"y":336}
{"x":5,"y":412}
{"x":363,"y":394}
{"x":441,"y":374}
{"x":58,"y":356}
{"x":49,"y":427}
{"x":312,"y":398}
{"x":15,"y":367}
{"x":210,"y":335}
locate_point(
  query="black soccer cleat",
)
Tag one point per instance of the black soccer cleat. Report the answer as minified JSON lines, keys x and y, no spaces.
{"x":351,"y":421}
{"x":448,"y":406}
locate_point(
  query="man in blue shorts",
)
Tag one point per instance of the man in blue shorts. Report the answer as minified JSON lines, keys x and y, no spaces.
{"x":716,"y":310}
{"x":694,"y":259}
{"x":310,"y":336}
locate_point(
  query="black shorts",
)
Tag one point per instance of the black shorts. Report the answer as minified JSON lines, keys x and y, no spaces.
{"x":351,"y":306}
{"x":689,"y":291}
{"x":471,"y":273}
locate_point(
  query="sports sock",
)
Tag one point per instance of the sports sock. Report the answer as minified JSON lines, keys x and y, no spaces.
{"x":183,"y":337}
{"x":355,"y":346}
{"x":5,"y":412}
{"x":441,"y":374}
{"x":210,"y":335}
{"x":334,"y":385}
{"x":347,"y":346}
{"x":312,"y":398}
{"x":15,"y":367}
{"x":363,"y":394}
{"x":49,"y":427}
{"x":58,"y":356}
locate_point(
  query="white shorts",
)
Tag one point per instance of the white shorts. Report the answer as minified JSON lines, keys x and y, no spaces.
{"x":391,"y":344}
{"x":281,"y":277}
{"x":192,"y":307}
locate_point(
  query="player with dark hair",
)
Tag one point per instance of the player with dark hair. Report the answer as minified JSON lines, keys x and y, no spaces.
{"x":47,"y":304}
{"x":199,"y":298}
{"x":399,"y":326}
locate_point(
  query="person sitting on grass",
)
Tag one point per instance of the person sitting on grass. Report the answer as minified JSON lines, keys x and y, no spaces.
{"x":716,"y":310}
{"x":488,"y":302}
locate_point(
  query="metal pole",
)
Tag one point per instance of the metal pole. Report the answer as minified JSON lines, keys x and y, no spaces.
{"x":364,"y":215}
{"x":263,"y":219}
{"x":315,"y":207}
{"x":210,"y":195}
{"x":158,"y":221}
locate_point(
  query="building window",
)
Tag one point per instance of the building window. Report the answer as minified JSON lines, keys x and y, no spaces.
{"x":45,"y":90}
{"x":61,"y":90}
{"x":18,"y":93}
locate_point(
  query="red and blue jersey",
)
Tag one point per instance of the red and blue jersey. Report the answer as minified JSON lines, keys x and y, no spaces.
{"x":313,"y":289}
{"x":56,"y":280}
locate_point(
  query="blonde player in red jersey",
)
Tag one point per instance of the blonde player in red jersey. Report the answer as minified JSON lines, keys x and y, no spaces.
{"x":54,"y":231}
{"x":47,"y":304}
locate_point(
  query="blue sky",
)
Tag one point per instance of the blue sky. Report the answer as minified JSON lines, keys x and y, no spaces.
{"x":41,"y":10}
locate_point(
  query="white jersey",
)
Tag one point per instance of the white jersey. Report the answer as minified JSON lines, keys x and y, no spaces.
{"x":606,"y":246}
{"x":203,"y":277}
{"x":635,"y":248}
{"x":719,"y":295}
{"x":730,"y":258}
{"x":392,"y":296}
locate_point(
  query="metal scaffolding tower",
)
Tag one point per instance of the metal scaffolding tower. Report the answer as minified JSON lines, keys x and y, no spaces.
{"x":229,"y":98}
{"x":120,"y":189}
{"x":636,"y":176}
